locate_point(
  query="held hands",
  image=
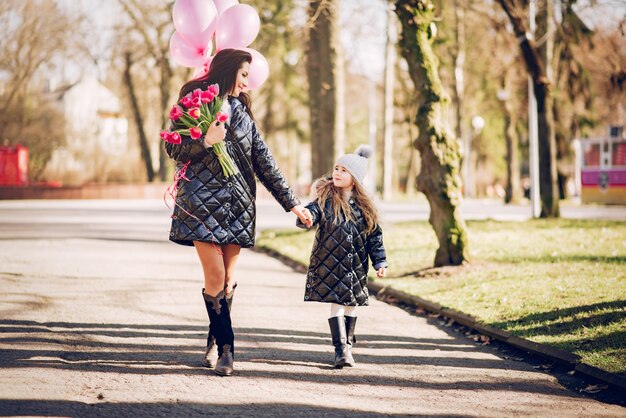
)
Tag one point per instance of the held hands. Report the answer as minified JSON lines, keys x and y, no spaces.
{"x":380,"y":273}
{"x":215,"y":133}
{"x":303,"y":214}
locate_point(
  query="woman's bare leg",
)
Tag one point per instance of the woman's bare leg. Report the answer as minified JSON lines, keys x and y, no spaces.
{"x":231,"y":254}
{"x":213,"y":266}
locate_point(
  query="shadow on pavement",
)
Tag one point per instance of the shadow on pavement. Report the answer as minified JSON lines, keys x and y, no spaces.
{"x":74,"y":346}
{"x":188,"y":409}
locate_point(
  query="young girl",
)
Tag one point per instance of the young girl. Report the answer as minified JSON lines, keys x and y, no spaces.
{"x":348,"y":234}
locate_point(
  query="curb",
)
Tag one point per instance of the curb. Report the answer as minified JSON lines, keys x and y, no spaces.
{"x":555,"y":354}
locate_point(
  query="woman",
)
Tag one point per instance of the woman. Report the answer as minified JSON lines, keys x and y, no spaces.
{"x":214,"y":213}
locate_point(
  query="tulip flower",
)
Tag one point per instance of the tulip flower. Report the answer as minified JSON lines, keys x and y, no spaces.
{"x":206,"y":97}
{"x":194,"y":112}
{"x":171,"y":137}
{"x":186,"y":101}
{"x":214,"y":89}
{"x":175,"y":138}
{"x":176,"y":112}
{"x":221,"y":117}
{"x":195,"y":133}
{"x":196,"y":102}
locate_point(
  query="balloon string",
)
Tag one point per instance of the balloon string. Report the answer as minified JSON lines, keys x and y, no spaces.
{"x":172,"y":191}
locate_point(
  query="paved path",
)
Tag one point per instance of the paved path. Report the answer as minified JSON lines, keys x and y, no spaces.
{"x":115,"y":327}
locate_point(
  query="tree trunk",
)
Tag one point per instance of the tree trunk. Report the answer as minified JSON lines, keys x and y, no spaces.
{"x":323,"y":72}
{"x":164,"y":86}
{"x":390,"y":67}
{"x":134,"y":104}
{"x":458,"y":55}
{"x":538,"y":61}
{"x":269,"y":118}
{"x":512,"y":190}
{"x":411,"y":176}
{"x":545,"y":114}
{"x":440,"y":156}
{"x":561,"y":151}
{"x":547,"y":153}
{"x":166,"y":76}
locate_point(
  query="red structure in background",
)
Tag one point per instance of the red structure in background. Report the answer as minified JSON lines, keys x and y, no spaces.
{"x":14,"y":166}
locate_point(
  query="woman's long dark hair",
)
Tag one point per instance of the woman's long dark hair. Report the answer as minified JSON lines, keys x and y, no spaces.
{"x":223,"y":71}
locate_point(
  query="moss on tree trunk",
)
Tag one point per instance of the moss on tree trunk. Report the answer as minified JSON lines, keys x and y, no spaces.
{"x":439,"y":177}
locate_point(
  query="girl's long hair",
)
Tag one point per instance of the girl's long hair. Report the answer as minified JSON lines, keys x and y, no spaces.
{"x":223,"y":72}
{"x":325,"y":191}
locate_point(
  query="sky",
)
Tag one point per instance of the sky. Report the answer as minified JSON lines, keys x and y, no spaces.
{"x":363,"y":36}
{"x":362,"y":21}
{"x":363,"y":28}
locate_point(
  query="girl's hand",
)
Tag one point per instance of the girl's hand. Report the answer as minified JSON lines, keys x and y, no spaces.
{"x":303,"y":214}
{"x":214,"y":134}
{"x":380,"y":273}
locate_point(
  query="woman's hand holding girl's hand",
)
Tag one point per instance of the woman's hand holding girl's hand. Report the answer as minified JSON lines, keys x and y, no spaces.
{"x":214,"y":134}
{"x":303,"y":214}
{"x":380,"y":273}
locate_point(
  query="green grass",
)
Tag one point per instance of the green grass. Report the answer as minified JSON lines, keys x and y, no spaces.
{"x":558,"y":282}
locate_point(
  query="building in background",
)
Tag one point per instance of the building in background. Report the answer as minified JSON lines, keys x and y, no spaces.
{"x":96,"y":133}
{"x":601,"y":164}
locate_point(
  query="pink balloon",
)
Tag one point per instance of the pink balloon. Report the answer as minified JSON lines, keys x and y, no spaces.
{"x":203,"y":69}
{"x":183,"y":53}
{"x":202,"y":40}
{"x":193,"y":20}
{"x":222,"y":5}
{"x":259,"y":69}
{"x":237,"y":27}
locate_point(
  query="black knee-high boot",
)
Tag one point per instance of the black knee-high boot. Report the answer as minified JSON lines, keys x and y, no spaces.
{"x":350,"y":338}
{"x":221,"y":325}
{"x":210,"y":355}
{"x":338,"y":333}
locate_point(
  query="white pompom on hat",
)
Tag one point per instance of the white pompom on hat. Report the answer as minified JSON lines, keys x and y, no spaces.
{"x":356,"y":163}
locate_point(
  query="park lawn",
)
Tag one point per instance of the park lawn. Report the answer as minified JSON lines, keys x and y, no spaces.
{"x":559,"y":282}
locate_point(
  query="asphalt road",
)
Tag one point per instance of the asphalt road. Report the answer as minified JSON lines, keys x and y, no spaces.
{"x":149,"y":219}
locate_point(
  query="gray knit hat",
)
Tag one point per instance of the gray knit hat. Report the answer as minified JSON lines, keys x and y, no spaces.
{"x":356,"y":163}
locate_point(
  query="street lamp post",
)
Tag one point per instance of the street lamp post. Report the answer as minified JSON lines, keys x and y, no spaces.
{"x":533,"y":129}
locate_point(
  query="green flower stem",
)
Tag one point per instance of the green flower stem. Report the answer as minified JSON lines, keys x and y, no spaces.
{"x":228,"y":166}
{"x":188,"y":120}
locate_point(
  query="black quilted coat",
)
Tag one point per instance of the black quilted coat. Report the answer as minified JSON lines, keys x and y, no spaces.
{"x":339,"y":259}
{"x":224,"y":206}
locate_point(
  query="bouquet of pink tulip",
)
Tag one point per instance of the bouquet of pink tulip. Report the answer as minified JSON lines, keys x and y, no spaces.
{"x":197,"y":110}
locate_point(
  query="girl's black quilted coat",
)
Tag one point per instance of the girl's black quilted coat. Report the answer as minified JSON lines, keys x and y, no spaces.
{"x":339,"y":259}
{"x":224,"y":206}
